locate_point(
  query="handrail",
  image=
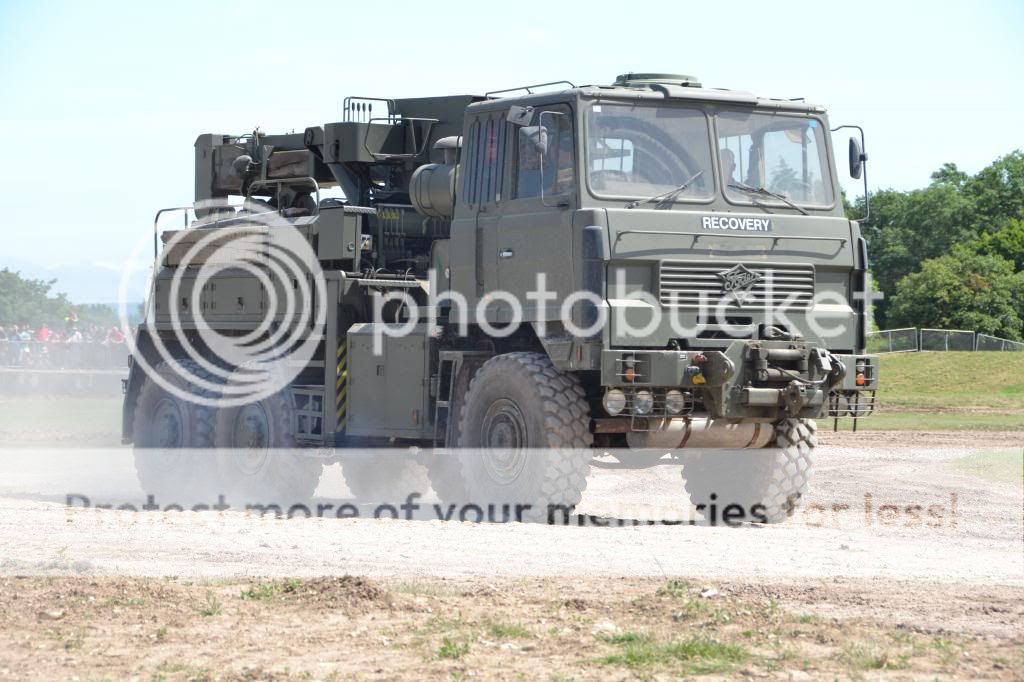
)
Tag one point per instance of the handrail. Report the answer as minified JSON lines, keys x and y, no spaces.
{"x":422,"y":147}
{"x":156,"y":228}
{"x":528,"y":88}
{"x":191,"y":207}
{"x":697,"y":235}
{"x":348,"y":110}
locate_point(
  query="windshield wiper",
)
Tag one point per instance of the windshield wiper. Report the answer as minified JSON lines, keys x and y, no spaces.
{"x":764,"y":192}
{"x":677,"y":190}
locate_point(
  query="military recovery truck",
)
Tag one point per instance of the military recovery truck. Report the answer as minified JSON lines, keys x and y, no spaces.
{"x":670,"y":222}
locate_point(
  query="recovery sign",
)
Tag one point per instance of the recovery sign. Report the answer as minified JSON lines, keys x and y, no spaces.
{"x":731,"y":223}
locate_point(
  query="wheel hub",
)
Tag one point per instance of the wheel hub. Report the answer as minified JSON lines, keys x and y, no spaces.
{"x":251,"y":438}
{"x":168,"y":424}
{"x":503,"y":436}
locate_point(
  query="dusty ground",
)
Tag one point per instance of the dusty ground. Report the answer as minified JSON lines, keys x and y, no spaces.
{"x":857,"y":585}
{"x":547,"y":629}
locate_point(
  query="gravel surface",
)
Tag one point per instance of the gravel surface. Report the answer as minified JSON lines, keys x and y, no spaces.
{"x":894,"y":507}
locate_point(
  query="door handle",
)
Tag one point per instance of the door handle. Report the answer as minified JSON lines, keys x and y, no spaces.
{"x":506,"y":253}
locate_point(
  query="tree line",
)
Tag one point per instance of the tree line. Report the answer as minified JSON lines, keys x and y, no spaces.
{"x":951,"y":255}
{"x":32,"y":302}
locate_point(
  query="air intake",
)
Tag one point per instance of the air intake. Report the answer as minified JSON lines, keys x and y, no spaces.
{"x":643,"y":79}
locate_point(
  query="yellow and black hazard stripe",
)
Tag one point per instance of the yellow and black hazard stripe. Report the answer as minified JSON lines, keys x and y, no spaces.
{"x":341,"y":388}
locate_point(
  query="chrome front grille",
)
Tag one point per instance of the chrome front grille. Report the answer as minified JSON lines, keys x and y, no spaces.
{"x":703,"y":284}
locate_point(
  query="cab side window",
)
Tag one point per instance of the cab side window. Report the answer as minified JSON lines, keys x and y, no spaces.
{"x":483,"y":175}
{"x":545,"y":155}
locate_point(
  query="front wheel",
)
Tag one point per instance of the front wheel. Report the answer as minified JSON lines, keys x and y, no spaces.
{"x":763,"y":485}
{"x":524,"y":439}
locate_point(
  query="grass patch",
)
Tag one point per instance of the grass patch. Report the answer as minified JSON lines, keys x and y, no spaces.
{"x":507,"y":631}
{"x":451,"y":649}
{"x":261,"y":592}
{"x":212,"y":607}
{"x":32,"y":420}
{"x":1004,"y":466}
{"x":949,"y":652}
{"x":676,"y":589}
{"x":860,"y":657}
{"x":924,"y":380}
{"x":699,"y":655}
{"x":269,"y":590}
{"x":935,"y":421}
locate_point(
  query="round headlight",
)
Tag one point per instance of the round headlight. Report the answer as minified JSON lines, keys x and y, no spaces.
{"x":614,"y":401}
{"x":643,"y":402}
{"x":675,"y":402}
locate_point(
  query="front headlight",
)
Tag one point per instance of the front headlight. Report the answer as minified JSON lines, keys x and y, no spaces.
{"x":675,"y":402}
{"x":643,"y":402}
{"x":614,"y":401}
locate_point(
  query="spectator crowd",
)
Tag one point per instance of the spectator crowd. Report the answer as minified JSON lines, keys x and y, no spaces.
{"x":75,"y":346}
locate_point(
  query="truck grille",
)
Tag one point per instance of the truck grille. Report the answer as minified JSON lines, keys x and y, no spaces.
{"x":691,"y":285}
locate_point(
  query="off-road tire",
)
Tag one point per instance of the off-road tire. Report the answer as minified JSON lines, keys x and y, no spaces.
{"x":176,"y":471}
{"x":519,"y":405}
{"x":384,"y":478}
{"x":767,"y":483}
{"x":272,"y":470}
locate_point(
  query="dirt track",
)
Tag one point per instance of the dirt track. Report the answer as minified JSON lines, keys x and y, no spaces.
{"x":954,"y":567}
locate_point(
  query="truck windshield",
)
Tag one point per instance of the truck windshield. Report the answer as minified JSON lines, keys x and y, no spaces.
{"x":781,"y":154}
{"x":638,"y":152}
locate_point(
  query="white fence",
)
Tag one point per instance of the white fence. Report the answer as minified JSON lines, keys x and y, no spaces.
{"x":893,"y":341}
{"x":986,"y":342}
{"x":911,"y":339}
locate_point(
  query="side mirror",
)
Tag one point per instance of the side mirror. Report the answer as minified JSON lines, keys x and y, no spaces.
{"x":520,"y":116}
{"x":534,"y":139}
{"x":857,"y":159}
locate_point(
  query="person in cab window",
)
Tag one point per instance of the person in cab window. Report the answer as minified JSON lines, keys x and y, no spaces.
{"x":528,"y":174}
{"x":565,"y":176}
{"x":728,"y":166}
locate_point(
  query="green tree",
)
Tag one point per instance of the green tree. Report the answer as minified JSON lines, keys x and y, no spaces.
{"x":783,"y":177}
{"x":29,"y":301}
{"x":25,"y":301}
{"x":996,"y":193}
{"x":907,"y":228}
{"x":1008,"y":242}
{"x":962,"y":290}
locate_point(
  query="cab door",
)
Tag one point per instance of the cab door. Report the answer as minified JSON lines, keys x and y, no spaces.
{"x":534,"y":228}
{"x":473,"y":245}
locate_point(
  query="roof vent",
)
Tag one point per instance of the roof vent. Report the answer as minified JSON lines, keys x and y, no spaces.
{"x":644,"y":79}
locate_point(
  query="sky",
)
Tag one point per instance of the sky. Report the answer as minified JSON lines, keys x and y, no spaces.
{"x":101,"y":102}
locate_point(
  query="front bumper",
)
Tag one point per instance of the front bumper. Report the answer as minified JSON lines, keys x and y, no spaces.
{"x":749,"y":380}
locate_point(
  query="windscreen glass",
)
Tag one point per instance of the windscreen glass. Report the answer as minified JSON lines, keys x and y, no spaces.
{"x":782,"y":154}
{"x":642,"y":151}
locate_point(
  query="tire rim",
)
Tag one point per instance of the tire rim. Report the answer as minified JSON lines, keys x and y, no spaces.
{"x":251,"y":438}
{"x":503,"y":436}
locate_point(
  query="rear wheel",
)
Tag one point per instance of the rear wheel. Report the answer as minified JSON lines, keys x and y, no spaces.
{"x":173,"y":437}
{"x":524,"y":438}
{"x":259,"y":459}
{"x":767,"y":484}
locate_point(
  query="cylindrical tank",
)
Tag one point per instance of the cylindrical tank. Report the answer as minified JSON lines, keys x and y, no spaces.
{"x":702,"y":433}
{"x":432,"y":189}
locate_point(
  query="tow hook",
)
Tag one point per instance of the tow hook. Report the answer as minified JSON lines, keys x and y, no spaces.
{"x":795,"y":397}
{"x":829,"y":366}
